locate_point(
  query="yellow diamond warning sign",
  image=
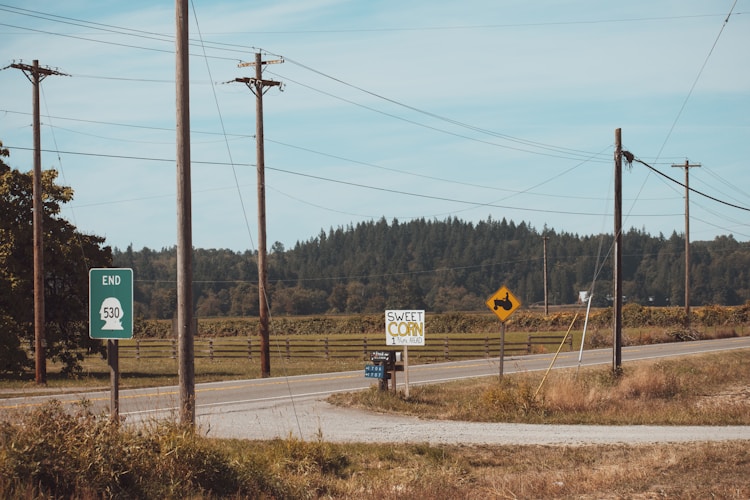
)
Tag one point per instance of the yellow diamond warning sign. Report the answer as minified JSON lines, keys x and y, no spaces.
{"x":503,"y":303}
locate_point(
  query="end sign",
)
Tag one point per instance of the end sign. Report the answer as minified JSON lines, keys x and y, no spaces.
{"x":111,"y":303}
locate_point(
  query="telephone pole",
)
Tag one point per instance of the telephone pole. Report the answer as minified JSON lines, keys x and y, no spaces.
{"x":546,"y":302}
{"x":258,"y":87}
{"x":687,"y":166}
{"x":35,"y":74}
{"x":617,"y":275}
{"x":185,"y":334}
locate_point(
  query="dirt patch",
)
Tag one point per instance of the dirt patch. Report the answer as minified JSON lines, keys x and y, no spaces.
{"x":735,"y":396}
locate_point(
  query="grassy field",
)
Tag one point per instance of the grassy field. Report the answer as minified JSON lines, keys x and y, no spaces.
{"x":149,"y":372}
{"x":48,"y":452}
{"x":690,"y":390}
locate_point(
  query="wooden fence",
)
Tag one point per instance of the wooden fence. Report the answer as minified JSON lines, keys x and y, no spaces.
{"x":444,"y":348}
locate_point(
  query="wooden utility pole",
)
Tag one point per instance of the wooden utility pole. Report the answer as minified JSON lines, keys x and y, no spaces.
{"x":186,"y":367}
{"x":687,"y":166}
{"x":546,"y":302}
{"x":258,"y":85}
{"x":35,"y":74}
{"x":617,"y":275}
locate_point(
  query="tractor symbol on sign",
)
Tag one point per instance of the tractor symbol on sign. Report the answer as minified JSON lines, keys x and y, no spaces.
{"x":504,"y":303}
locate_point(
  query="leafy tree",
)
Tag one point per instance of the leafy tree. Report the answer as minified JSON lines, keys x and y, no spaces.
{"x":68,"y":255}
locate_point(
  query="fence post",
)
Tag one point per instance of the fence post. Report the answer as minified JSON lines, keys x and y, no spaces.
{"x":364,"y":348}
{"x":137,"y":348}
{"x":528,"y":344}
{"x":445,"y":348}
{"x":326,"y":349}
{"x":486,"y":346}
{"x":174,"y":349}
{"x":211,"y":349}
{"x":288,"y":350}
{"x":249,"y":349}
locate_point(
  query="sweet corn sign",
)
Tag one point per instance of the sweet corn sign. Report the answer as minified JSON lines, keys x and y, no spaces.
{"x":404,"y":327}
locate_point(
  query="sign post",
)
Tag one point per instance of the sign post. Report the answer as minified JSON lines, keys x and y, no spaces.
{"x":502,"y":303}
{"x":404,"y":327}
{"x":111,"y":319}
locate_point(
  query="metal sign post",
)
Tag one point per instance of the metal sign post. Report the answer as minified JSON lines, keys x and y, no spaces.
{"x":502,"y":349}
{"x":110,"y":319}
{"x":502,"y":303}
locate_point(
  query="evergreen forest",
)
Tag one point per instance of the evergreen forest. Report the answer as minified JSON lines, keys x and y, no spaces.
{"x":441,"y":266}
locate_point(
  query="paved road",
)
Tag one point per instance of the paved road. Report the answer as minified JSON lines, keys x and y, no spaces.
{"x":295,"y":406}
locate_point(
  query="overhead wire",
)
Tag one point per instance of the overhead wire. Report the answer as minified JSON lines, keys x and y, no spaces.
{"x":443,"y":198}
{"x":76,"y":234}
{"x":130,"y":157}
{"x":436,"y":178}
{"x":733,"y":187}
{"x":339,"y":181}
{"x":127,"y":125}
{"x":697,"y":77}
{"x":224,"y":133}
{"x":235,"y":48}
{"x":679,"y":114}
{"x":159,"y":37}
{"x":475,"y":26}
{"x":700,"y":193}
{"x":263,"y":289}
{"x":560,"y":155}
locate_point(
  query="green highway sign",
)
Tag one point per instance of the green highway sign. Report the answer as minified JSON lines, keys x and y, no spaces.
{"x":111,"y":303}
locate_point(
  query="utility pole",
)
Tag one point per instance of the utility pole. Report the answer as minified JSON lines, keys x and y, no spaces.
{"x":546,"y":302}
{"x":258,"y":86}
{"x":35,"y":74}
{"x":185,"y":335}
{"x":687,"y":166}
{"x":617,"y":275}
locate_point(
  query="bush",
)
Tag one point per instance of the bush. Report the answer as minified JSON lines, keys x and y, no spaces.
{"x":13,"y":359}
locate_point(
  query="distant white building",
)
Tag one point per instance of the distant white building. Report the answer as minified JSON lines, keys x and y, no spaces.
{"x":583,"y":296}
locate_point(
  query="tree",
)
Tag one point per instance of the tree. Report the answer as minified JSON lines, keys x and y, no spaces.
{"x":68,"y":256}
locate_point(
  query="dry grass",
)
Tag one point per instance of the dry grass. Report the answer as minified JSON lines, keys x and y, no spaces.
{"x":51,"y":453}
{"x":693,"y":390}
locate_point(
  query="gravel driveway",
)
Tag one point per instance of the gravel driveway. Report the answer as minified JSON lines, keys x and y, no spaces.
{"x":313,"y":418}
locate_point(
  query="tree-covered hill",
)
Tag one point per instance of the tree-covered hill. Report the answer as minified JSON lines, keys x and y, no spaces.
{"x":441,"y":266}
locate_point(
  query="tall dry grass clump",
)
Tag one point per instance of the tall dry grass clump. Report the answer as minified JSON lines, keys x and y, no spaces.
{"x":696,"y":390}
{"x":51,"y":452}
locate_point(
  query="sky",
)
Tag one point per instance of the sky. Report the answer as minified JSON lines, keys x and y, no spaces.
{"x":388,"y":109}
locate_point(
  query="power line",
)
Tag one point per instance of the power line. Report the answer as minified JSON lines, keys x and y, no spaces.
{"x":338,"y":181}
{"x":489,"y":26}
{"x":435,"y":178}
{"x":697,"y":77}
{"x":129,"y":125}
{"x":139,"y":158}
{"x":441,"y":198}
{"x":477,"y":26}
{"x":559,"y":152}
{"x":687,"y":187}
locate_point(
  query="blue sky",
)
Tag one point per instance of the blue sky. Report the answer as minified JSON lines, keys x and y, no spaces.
{"x":426,"y":109}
